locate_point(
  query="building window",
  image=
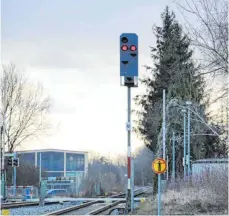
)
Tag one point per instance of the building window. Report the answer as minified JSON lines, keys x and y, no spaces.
{"x":28,"y":158}
{"x":71,"y":174}
{"x":74,"y":162}
{"x":51,"y":161}
{"x":80,"y":162}
{"x":55,"y":174}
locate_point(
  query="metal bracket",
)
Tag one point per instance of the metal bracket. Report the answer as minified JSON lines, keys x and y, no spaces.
{"x":128,"y":126}
{"x":9,"y":154}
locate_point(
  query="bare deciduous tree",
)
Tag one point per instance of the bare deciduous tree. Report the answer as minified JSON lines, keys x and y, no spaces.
{"x":210,"y":36}
{"x":25,"y":107}
{"x":211,"y":33}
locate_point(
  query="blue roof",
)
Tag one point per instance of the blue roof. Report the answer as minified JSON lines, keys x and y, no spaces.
{"x":53,"y":150}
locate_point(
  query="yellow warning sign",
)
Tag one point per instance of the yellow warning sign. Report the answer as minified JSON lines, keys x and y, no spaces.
{"x":142,"y":200}
{"x":159,"y":165}
{"x":5,"y":212}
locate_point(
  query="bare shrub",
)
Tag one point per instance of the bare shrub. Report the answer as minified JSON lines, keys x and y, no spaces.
{"x":207,"y":194}
{"x":106,"y":182}
{"x":211,"y":193}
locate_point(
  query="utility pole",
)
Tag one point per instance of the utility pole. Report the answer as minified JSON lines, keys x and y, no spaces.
{"x":167,"y":171}
{"x":164,"y":176}
{"x":40,"y":169}
{"x":184,"y":112}
{"x":3,"y":128}
{"x":2,"y":164}
{"x":15,"y":175}
{"x":110,"y":163}
{"x":1,"y":143}
{"x":189,"y":170}
{"x":173,"y":168}
{"x":163,"y":126}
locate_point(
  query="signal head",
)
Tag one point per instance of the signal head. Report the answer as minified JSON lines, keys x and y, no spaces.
{"x":124,"y":40}
{"x":133,"y":48}
{"x":124,"y":47}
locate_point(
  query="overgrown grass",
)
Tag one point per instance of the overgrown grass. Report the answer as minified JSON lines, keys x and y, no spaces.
{"x":207,"y":194}
{"x":107,"y":183}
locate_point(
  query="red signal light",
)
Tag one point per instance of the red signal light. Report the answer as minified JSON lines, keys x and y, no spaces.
{"x":133,"y":48}
{"x":124,"y":48}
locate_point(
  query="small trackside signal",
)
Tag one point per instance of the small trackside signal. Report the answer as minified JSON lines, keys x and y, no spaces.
{"x":10,"y":161}
{"x":133,"y":48}
{"x":124,"y":48}
{"x":16,"y":162}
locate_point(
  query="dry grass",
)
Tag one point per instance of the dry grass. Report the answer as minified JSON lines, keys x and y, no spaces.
{"x":205,"y":195}
{"x":107,"y":183}
{"x":118,"y":188}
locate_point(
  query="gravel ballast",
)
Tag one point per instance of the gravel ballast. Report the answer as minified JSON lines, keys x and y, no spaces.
{"x":41,"y":210}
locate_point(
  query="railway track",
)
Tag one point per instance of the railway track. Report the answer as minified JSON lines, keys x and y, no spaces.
{"x":24,"y":204}
{"x":116,"y":203}
{"x":95,"y":207}
{"x":104,"y":208}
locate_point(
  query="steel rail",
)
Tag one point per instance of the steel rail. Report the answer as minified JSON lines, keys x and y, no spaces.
{"x":99,"y":210}
{"x":72,"y":208}
{"x":24,"y":204}
{"x":104,"y":208}
{"x":109,"y":206}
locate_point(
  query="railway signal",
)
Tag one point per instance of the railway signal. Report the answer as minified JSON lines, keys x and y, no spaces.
{"x":129,"y":59}
{"x":10,"y":162}
{"x":16,"y":162}
{"x":13,"y":162}
{"x":129,"y":78}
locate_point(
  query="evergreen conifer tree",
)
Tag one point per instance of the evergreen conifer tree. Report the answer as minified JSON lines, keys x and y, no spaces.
{"x":174,"y":71}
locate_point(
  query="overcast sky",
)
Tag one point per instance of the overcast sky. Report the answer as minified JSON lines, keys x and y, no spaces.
{"x":72,"y":48}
